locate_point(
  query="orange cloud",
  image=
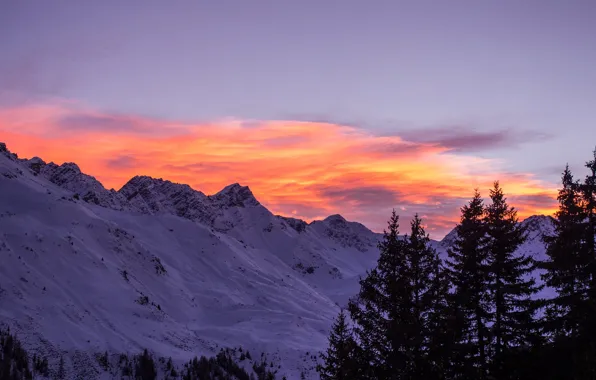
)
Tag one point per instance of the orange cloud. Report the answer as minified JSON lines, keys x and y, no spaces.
{"x":302,"y":169}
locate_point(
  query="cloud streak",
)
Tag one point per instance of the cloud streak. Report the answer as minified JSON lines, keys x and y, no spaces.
{"x":465,"y":139}
{"x":296,"y":168}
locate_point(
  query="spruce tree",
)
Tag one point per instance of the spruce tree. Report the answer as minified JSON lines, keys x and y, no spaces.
{"x":565,"y":266}
{"x":440,"y":325}
{"x":395,"y":311}
{"x":426,"y":279}
{"x":381,"y":312}
{"x":468,"y":273}
{"x":511,"y":287}
{"x":588,"y":192}
{"x":566,"y":272}
{"x":587,"y":343}
{"x":338,"y":360}
{"x":589,"y":198}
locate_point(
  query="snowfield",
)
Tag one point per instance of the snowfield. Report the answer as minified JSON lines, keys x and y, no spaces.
{"x":161,"y":266}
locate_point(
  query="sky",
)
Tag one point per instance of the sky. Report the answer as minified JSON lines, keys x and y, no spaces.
{"x":320,"y":107}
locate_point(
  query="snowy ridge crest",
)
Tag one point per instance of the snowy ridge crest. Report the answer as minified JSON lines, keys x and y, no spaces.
{"x":142,"y":194}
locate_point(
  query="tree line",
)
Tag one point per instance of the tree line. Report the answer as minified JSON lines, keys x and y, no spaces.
{"x":15,"y":364}
{"x":476,"y":314}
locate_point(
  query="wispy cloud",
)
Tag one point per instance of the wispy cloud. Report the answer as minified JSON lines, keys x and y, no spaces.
{"x":121,"y":162}
{"x":359,"y":196}
{"x":467,"y":139}
{"x":302,"y":169}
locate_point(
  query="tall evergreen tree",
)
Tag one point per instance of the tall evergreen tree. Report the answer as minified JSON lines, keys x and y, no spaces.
{"x":588,"y":338}
{"x":440,"y":325}
{"x":566,"y":271}
{"x":565,"y":264}
{"x":381,"y":311}
{"x":424,"y":268}
{"x":338,"y":360}
{"x":468,"y":272}
{"x":393,"y":310}
{"x":511,"y":286}
{"x":589,"y":198}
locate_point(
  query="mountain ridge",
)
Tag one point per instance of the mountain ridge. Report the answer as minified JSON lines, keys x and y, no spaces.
{"x":70,"y":176}
{"x":162,"y":266}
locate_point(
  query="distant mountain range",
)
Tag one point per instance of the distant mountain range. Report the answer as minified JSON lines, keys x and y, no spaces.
{"x":159,"y":265}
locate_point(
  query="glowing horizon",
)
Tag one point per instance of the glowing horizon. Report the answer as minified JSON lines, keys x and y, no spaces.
{"x":307,"y":170}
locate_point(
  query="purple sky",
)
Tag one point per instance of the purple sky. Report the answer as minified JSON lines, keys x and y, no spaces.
{"x":522,"y":68}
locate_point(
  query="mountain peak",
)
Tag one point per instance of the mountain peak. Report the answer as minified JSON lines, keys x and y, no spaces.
{"x":539,"y":225}
{"x":70,"y":166}
{"x":236,"y":195}
{"x":233,"y":186}
{"x":335,"y":218}
{"x":538,"y":219}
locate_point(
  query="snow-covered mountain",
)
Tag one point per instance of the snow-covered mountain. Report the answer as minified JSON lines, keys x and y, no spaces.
{"x":159,"y":265}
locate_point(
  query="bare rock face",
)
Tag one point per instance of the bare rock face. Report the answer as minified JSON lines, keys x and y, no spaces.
{"x":235,"y":195}
{"x":35,"y":164}
{"x":70,"y":177}
{"x":155,"y":195}
{"x":4,"y":151}
{"x":298,"y":225}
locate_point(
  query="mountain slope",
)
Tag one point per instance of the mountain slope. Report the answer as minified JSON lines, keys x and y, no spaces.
{"x":162,"y":266}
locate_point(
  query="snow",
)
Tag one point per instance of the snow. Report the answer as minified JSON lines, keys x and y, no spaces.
{"x":235,"y":274}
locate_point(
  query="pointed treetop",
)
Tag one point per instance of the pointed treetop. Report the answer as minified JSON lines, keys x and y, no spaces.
{"x":567,"y":175}
{"x":497,"y":195}
{"x":474,"y":203}
{"x":592,"y":164}
{"x":496,"y":190}
{"x":392,"y":225}
{"x":416,"y":225}
{"x":418,"y":233}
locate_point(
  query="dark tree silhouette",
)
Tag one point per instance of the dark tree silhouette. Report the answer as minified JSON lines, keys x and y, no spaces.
{"x":511,"y":287}
{"x":338,"y":360}
{"x":468,"y":273}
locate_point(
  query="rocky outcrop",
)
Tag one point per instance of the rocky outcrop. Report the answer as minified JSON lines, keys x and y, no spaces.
{"x":348,"y":234}
{"x":234,"y":195}
{"x":70,"y":177}
{"x":155,"y":195}
{"x":297,"y":224}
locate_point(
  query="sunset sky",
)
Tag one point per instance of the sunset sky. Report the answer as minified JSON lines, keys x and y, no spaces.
{"x":320,"y":107}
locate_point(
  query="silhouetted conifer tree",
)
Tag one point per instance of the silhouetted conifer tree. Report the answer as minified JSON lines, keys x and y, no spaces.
{"x":382,"y":311}
{"x":566,"y":266}
{"x":395,"y":312}
{"x":511,"y":287}
{"x":145,"y":367}
{"x":468,"y":272}
{"x":338,"y":360}
{"x":423,"y":266}
{"x":440,"y":325}
{"x":14,"y":361}
{"x":586,"y":364}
